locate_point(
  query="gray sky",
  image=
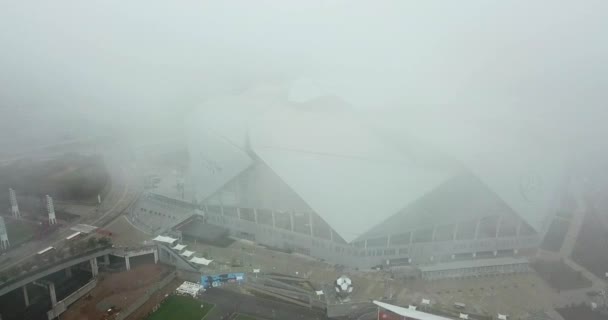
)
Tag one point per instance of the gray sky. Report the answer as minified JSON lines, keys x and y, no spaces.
{"x":139,"y":64}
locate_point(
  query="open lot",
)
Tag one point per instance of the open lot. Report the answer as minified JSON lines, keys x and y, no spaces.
{"x":181,"y":307}
{"x":115,"y":290}
{"x":20,"y":231}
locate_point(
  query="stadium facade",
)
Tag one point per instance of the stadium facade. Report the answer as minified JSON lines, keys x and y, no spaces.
{"x":315,"y":178}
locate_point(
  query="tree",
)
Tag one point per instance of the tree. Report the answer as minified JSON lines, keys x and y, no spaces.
{"x":105,"y":241}
{"x":92,"y":242}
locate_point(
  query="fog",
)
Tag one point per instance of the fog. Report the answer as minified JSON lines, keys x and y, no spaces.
{"x":74,"y":68}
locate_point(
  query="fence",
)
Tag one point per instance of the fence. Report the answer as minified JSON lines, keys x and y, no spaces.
{"x":125,"y":313}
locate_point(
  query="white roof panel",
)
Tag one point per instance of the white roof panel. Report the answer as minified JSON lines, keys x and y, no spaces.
{"x":202,"y":261}
{"x":179,"y":247}
{"x":165,"y":239}
{"x":187,"y":253}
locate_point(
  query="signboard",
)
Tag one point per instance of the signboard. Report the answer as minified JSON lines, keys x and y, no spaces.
{"x":221,"y":279}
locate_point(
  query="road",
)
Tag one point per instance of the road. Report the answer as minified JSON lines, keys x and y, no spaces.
{"x":124,"y":191}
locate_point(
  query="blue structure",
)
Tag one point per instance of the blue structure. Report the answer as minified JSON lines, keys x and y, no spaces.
{"x":213,"y":281}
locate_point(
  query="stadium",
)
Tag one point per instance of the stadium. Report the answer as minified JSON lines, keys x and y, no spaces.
{"x":313,"y":177}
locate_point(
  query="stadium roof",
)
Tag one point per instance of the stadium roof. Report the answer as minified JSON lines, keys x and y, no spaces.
{"x":461,"y":198}
{"x":515,"y":156}
{"x":524,"y":168}
{"x":353,"y":176}
{"x":218,"y":138}
{"x":409,"y":313}
{"x":343,"y":171}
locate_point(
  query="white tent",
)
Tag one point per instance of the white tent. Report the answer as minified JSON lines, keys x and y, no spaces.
{"x":187,"y":254}
{"x":189,"y":288}
{"x":202,"y":261}
{"x":179,"y":247}
{"x":165,"y":239}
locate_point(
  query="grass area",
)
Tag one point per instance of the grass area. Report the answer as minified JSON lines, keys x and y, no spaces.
{"x":182,"y":308}
{"x":20,"y":231}
{"x":244,"y":317}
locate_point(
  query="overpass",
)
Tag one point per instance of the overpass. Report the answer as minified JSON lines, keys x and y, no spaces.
{"x":22,"y":280}
{"x":37,"y":277}
{"x":134,"y":252}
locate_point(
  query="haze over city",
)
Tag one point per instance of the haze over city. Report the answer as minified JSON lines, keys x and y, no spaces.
{"x":352,"y":158}
{"x":542,"y":64}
